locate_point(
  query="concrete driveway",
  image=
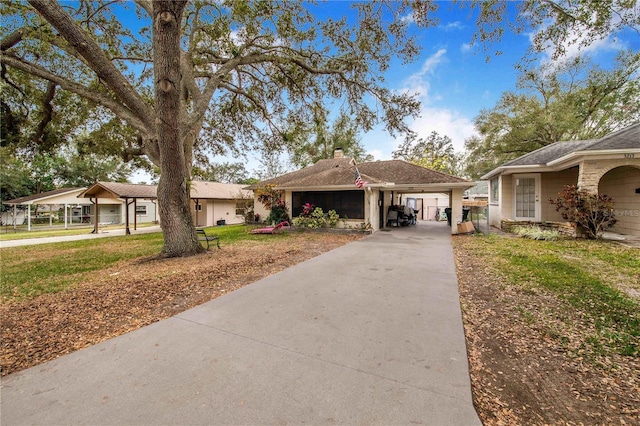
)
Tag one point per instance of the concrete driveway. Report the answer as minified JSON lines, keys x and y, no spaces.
{"x":369,"y":333}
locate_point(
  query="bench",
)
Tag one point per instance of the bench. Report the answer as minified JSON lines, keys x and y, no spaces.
{"x":202,"y":236}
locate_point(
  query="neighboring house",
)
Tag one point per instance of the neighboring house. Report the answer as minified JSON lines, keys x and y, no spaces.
{"x":211,"y":202}
{"x":123,"y":203}
{"x":520,"y":190}
{"x":330,"y":184}
{"x":215,"y":203}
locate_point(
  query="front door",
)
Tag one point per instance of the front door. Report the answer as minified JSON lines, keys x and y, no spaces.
{"x":527,"y":197}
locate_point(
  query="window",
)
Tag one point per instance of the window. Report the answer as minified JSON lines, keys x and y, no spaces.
{"x":141,"y":210}
{"x":349,"y":204}
{"x":495,"y":190}
{"x":243,"y":207}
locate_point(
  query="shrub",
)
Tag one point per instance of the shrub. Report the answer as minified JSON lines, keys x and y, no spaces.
{"x":272,"y":200}
{"x":536,"y":233}
{"x":592,"y":213}
{"x":316,"y":218}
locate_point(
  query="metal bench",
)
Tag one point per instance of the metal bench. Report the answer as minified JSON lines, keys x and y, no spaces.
{"x":202,"y":236}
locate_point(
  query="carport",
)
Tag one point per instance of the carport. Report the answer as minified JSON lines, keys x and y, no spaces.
{"x":130,"y":193}
{"x":66,"y":197}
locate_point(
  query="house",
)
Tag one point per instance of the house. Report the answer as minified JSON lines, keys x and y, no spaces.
{"x":123,"y":203}
{"x":330,"y":184}
{"x":212,"y":203}
{"x":520,"y":190}
{"x":215,"y":203}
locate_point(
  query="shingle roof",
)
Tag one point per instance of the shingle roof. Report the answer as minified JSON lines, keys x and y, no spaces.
{"x":199,"y":189}
{"x":34,"y":197}
{"x":121,"y":190}
{"x":549,"y":153}
{"x":217,"y":190}
{"x":341,"y":172}
{"x":626,"y":138}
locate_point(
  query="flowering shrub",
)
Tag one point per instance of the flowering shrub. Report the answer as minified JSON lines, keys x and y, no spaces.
{"x":315,"y":218}
{"x":272,"y":200}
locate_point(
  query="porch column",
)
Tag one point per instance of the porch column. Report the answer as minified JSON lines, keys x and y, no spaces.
{"x":15,"y":217}
{"x":373,"y":211}
{"x":28,"y":217}
{"x":588,"y":176}
{"x":66,"y":216}
{"x":456,"y":209}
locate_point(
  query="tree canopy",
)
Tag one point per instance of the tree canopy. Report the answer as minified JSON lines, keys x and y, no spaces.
{"x":321,"y":139}
{"x":209,"y":76}
{"x":573,"y":100}
{"x":435,"y":152}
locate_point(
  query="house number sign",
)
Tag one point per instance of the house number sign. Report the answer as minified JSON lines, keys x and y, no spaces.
{"x":629,"y":155}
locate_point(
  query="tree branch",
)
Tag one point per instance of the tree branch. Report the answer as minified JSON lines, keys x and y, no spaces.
{"x":96,"y":59}
{"x":117,"y":108}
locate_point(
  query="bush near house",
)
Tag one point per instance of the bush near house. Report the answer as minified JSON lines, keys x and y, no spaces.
{"x":314,"y":218}
{"x":592,"y":213}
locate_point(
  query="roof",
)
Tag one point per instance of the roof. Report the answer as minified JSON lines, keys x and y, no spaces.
{"x":217,"y":190}
{"x":199,"y":189}
{"x":119,"y":190}
{"x":624,"y":139}
{"x":341,"y":172}
{"x":29,"y":199}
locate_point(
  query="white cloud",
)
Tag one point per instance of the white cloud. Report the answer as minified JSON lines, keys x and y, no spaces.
{"x":452,"y":26}
{"x":447,"y":123}
{"x":418,"y":84}
{"x":466,"y":47}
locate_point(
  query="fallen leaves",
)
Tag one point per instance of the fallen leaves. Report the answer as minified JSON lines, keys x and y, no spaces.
{"x":526,"y":362}
{"x":136,"y":293}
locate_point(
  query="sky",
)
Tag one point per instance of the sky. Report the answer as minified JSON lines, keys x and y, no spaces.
{"x":453,"y":80}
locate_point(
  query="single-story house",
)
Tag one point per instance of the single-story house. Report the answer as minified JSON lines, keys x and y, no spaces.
{"x":330,"y":184}
{"x":520,"y":190}
{"x":123,"y":203}
{"x":215,"y":203}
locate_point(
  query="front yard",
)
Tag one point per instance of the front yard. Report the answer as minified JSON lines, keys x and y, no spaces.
{"x":552,"y":328}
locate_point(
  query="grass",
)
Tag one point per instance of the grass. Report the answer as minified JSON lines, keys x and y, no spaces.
{"x":29,"y":271}
{"x":590,"y":277}
{"x":7,"y":233}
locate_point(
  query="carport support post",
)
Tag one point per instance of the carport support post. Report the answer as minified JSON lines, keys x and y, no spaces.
{"x":126,"y":225}
{"x":95,"y":216}
{"x":456,"y":208}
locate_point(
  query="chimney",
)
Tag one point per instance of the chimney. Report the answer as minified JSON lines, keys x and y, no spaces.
{"x":338,"y":153}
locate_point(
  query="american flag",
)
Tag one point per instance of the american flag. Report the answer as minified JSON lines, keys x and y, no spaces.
{"x":358,"y":180}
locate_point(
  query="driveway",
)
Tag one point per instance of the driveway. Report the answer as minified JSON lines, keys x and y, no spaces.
{"x":369,"y":333}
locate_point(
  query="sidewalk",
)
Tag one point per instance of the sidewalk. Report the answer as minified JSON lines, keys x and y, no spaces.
{"x":369,"y":333}
{"x":87,"y":236}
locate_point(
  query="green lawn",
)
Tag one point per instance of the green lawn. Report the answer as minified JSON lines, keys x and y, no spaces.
{"x":7,"y":233}
{"x":32,"y":270}
{"x":592,"y":279}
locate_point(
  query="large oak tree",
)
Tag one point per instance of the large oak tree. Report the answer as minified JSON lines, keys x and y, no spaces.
{"x":199,"y":77}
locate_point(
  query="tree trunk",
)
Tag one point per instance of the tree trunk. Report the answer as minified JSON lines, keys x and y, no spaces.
{"x":180,"y":238}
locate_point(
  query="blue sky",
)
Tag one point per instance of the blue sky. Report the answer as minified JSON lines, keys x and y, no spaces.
{"x":452,"y":79}
{"x":455,"y":82}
